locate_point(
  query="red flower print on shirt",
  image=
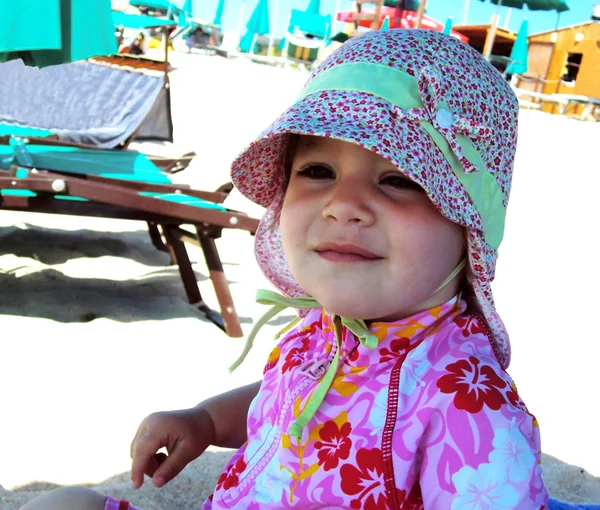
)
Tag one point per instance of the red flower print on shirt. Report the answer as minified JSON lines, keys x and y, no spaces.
{"x":335,"y":444}
{"x":365,"y":480}
{"x":469,"y":325}
{"x":412,"y":501}
{"x":230,"y":479}
{"x":514,"y":398}
{"x":398,"y":347}
{"x":474,"y":385}
{"x":295,"y":357}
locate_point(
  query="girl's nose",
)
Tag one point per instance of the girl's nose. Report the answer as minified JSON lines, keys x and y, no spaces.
{"x":348,"y":204}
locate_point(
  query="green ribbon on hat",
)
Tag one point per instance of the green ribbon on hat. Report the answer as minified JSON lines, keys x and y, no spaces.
{"x":402,"y":90}
{"x":356,"y":326}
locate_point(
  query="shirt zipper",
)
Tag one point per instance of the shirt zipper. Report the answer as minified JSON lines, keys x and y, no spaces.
{"x":298,"y":388}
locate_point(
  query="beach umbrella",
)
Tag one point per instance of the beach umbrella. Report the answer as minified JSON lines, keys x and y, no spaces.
{"x":448,"y":26}
{"x":219,"y":12}
{"x":518,"y":54}
{"x":258,"y":24}
{"x":188,"y":7}
{"x":158,"y":5}
{"x":50,"y":32}
{"x":182,"y":13}
{"x":533,"y":5}
{"x":314,"y":6}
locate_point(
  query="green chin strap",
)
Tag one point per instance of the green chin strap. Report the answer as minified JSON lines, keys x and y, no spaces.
{"x":356,"y":326}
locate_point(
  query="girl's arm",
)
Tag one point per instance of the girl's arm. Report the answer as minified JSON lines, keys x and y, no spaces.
{"x":229,"y":413}
{"x":219,"y":421}
{"x":482,"y":445}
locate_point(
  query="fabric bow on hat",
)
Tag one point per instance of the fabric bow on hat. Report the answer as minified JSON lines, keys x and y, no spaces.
{"x":446,"y":122}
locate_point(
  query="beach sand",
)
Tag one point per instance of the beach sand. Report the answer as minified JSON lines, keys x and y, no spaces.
{"x":97,"y":332}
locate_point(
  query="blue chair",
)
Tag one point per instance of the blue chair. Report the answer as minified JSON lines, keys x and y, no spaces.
{"x":554,"y":504}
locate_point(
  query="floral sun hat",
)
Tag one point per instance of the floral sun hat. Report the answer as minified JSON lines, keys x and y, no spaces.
{"x":433,"y":107}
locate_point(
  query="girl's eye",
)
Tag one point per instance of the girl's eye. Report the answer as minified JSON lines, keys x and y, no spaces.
{"x":400,"y":182}
{"x":314,"y":171}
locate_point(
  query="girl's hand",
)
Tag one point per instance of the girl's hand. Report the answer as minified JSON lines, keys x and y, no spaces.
{"x":185,"y":434}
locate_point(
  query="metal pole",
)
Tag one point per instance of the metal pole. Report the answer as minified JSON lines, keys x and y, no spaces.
{"x":337,"y":10}
{"x":254,"y":38}
{"x":240,"y":19}
{"x":420,"y":12}
{"x":271,"y":36}
{"x":508,"y":11}
{"x":489,"y":40}
{"x":466,"y":11}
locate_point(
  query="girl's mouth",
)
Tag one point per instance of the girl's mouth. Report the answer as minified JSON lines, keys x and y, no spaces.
{"x":335,"y":252}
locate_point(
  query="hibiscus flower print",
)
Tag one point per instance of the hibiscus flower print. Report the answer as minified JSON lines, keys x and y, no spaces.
{"x":474,"y":385}
{"x":411,"y":501}
{"x":483,"y":489}
{"x":514,"y":398}
{"x":469,"y":325}
{"x":272,"y":483}
{"x":364,"y":479}
{"x":230,"y":479}
{"x":334,"y":445}
{"x":513,"y":453}
{"x":413,"y":370}
{"x":379,"y":411}
{"x":295,"y":357}
{"x":397,"y":348}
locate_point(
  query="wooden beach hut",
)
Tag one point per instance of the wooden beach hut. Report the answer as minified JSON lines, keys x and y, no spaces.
{"x":565,"y":61}
{"x":480,"y":38}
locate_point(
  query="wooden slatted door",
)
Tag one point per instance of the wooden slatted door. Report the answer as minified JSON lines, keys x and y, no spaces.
{"x":372,"y":16}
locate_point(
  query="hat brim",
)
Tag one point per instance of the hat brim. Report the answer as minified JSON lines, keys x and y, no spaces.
{"x":365,"y":120}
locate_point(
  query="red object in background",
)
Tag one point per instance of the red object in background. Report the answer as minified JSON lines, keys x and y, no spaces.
{"x":408,"y":20}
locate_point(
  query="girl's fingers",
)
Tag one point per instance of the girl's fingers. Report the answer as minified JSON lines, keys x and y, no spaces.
{"x":159,"y":458}
{"x":143,"y":460}
{"x":171,"y":466}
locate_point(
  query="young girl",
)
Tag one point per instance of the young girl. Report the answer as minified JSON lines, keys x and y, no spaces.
{"x":386,"y":187}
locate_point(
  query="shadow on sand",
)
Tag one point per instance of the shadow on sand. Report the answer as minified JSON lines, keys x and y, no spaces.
{"x":30,"y":285}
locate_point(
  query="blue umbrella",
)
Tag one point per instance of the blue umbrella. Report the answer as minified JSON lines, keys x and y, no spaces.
{"x":535,"y":5}
{"x":188,"y":7}
{"x":448,"y":26}
{"x":219,"y":13}
{"x":44,"y":32}
{"x":314,"y":6}
{"x":518,"y":54}
{"x":258,"y":24}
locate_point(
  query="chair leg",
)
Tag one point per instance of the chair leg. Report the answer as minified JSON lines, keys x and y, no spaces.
{"x":156,"y":239}
{"x":217,"y":276}
{"x":179,"y":254}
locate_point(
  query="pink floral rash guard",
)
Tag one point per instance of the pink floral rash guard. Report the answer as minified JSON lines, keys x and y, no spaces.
{"x":427,"y":420}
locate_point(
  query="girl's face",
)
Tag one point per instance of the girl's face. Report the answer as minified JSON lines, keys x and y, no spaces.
{"x":361,"y":238}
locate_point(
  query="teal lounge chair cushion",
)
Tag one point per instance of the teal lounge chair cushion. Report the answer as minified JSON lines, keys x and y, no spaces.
{"x":9,"y":129}
{"x":116,"y":164}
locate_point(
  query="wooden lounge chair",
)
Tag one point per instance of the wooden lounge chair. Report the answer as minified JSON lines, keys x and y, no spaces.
{"x":43,"y":176}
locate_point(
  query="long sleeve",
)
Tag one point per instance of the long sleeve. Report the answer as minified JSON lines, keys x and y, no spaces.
{"x":463,"y":438}
{"x":481,"y":447}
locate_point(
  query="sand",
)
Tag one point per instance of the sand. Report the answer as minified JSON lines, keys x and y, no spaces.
{"x":98,"y":334}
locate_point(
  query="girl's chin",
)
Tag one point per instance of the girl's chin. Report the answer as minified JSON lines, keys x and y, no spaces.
{"x":357,"y":310}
